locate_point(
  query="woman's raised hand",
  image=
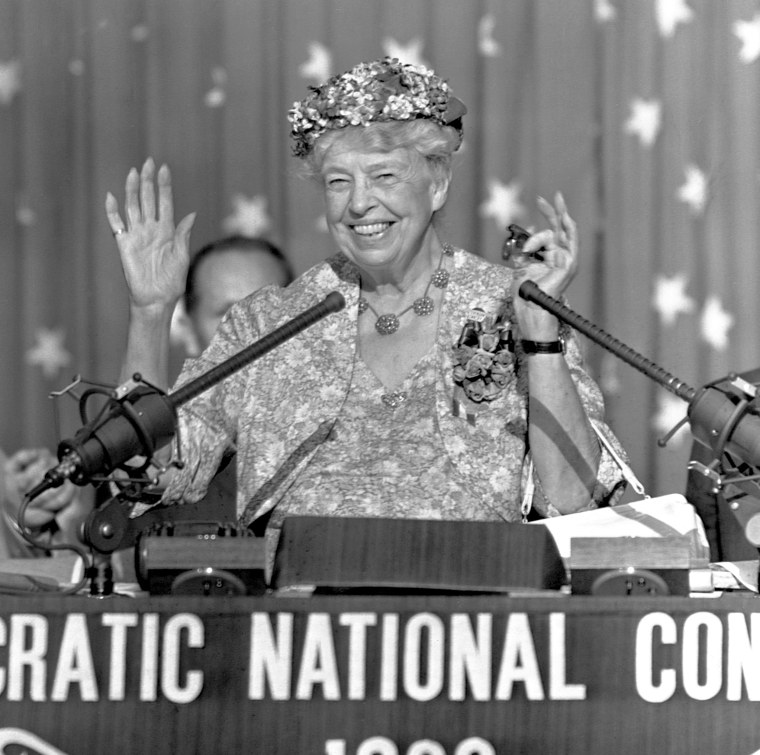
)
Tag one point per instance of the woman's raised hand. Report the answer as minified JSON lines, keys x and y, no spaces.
{"x":553,"y":272}
{"x":154,"y":252}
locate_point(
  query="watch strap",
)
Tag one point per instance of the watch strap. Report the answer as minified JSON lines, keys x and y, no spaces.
{"x":542,"y":347}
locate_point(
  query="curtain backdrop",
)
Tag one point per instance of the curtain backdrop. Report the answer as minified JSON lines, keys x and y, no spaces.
{"x":644,"y":114}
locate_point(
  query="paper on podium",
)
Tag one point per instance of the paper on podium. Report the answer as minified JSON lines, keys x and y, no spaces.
{"x":39,"y":574}
{"x":662,"y":517}
{"x":733,"y":575}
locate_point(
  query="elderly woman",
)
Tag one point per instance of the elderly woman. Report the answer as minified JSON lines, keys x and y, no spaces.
{"x":437,"y":392}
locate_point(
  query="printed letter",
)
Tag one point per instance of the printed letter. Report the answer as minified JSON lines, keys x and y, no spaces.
{"x":270,"y":659}
{"x":75,"y":662}
{"x":170,"y":658}
{"x":646,"y":686}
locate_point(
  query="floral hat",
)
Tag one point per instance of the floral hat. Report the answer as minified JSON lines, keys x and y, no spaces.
{"x":383,"y":90}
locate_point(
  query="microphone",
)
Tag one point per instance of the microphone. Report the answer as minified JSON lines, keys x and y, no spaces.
{"x":139,"y":422}
{"x":140,"y":419}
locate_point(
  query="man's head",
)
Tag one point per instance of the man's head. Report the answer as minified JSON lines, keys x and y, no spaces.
{"x":226,"y":271}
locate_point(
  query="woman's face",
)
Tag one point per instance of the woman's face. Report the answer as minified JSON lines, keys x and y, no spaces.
{"x":380,"y":204}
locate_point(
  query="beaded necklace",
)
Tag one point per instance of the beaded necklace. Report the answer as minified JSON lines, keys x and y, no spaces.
{"x":388,"y":324}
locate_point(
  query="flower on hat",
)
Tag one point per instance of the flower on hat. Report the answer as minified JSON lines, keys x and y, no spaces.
{"x":381,"y":90}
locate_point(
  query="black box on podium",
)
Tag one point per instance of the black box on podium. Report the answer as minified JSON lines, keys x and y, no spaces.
{"x":371,"y":555}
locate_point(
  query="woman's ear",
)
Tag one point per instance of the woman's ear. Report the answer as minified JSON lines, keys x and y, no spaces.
{"x":440,"y":190}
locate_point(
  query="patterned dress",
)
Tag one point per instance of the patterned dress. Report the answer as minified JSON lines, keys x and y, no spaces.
{"x":313,"y":434}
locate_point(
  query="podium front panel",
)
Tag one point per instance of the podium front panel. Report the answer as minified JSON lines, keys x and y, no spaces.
{"x":417,"y":674}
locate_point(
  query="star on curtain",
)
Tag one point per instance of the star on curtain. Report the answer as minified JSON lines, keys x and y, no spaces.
{"x":670,"y":299}
{"x":503,"y":203}
{"x":319,"y":65}
{"x":216,"y":96}
{"x":644,"y":120}
{"x":670,"y":13}
{"x":604,"y":11}
{"x":487,"y":45}
{"x":693,"y":191}
{"x":10,"y":81}
{"x":249,"y":216}
{"x":715,"y":323}
{"x":140,"y":32}
{"x":748,"y":33}
{"x":25,"y":214}
{"x":48,"y":352}
{"x":670,"y":411}
{"x":409,"y":53}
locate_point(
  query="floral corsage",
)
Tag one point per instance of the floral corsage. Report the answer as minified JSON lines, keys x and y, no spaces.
{"x":483,"y":359}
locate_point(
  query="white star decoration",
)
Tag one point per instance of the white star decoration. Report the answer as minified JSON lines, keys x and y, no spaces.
{"x":715,"y":323}
{"x":48,"y":351}
{"x":10,"y":81}
{"x":748,"y":33}
{"x":503,"y":203}
{"x":670,"y":13}
{"x":25,"y":214}
{"x":216,"y":96}
{"x":670,"y":298}
{"x":670,"y":411}
{"x":644,"y":120}
{"x":409,"y":53}
{"x":693,"y":192}
{"x":604,"y":11}
{"x":140,"y":33}
{"x":249,"y":216}
{"x":318,"y":66}
{"x":487,"y":45}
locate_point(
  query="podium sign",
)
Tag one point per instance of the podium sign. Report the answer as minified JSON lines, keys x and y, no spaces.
{"x":418,"y":675}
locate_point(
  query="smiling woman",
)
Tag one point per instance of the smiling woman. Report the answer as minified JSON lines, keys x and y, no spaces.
{"x":365,"y":414}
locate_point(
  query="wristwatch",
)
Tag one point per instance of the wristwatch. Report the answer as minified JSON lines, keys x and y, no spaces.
{"x":543,"y":347}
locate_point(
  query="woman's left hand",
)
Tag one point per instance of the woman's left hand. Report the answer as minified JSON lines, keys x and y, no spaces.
{"x":552,"y":274}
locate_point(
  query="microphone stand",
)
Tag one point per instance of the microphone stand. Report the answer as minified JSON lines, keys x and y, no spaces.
{"x":137,"y":420}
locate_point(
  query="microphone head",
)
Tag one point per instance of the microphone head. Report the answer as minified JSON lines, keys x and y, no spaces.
{"x":334,"y":301}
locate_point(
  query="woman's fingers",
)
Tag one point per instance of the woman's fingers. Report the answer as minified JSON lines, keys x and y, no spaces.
{"x":147,"y":191}
{"x":538,"y":240}
{"x":549,"y":212}
{"x":142,"y":207}
{"x":184,"y":227}
{"x":113,"y":216}
{"x":568,"y":227}
{"x":165,"y":196}
{"x":132,"y":199}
